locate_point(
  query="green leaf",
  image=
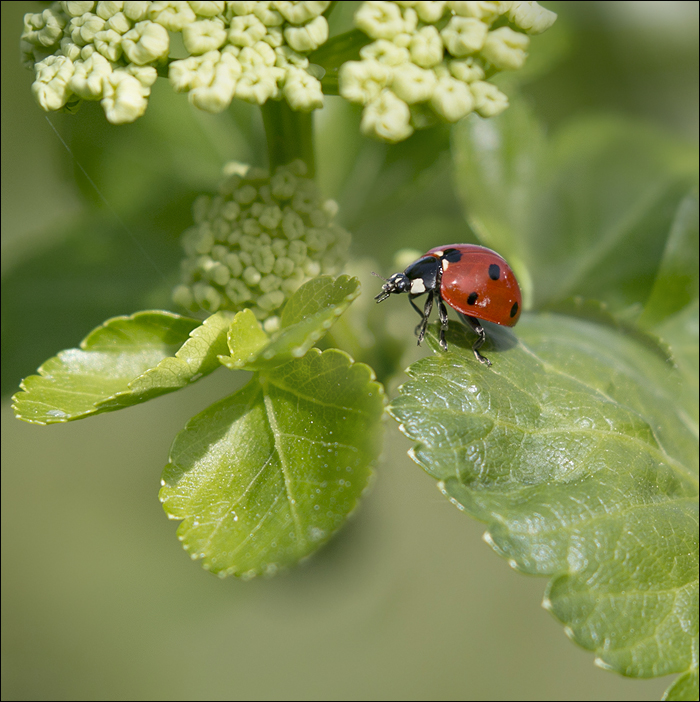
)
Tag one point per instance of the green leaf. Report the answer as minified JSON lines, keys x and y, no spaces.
{"x":685,"y":687}
{"x":676,"y":283}
{"x":125,"y":361}
{"x":264,"y":477}
{"x":306,"y":317}
{"x":681,"y":333}
{"x":586,"y":212}
{"x":578,"y":450}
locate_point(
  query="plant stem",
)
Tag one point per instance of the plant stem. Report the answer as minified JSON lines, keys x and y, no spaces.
{"x":290,"y":135}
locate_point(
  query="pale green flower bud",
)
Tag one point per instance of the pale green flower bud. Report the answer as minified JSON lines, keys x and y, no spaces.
{"x":207,"y":297}
{"x":268,"y":16}
{"x":259,"y":84}
{"x":238,"y":292}
{"x":207,"y":9}
{"x":124,"y":98}
{"x":464,"y":35}
{"x":283,"y":184}
{"x":219,"y":274}
{"x":452,"y":99}
{"x":75,"y":9}
{"x":87,"y":51}
{"x":271,"y":324}
{"x":297,"y":252}
{"x":292,"y":224}
{"x":245,"y":194}
{"x":286,"y":56}
{"x":429,"y":12}
{"x":363,"y":81}
{"x":69,"y":49}
{"x":136,"y":11}
{"x":270,"y":216}
{"x":274,"y":37}
{"x":311,"y":268}
{"x":506,"y":49}
{"x":402,"y":40}
{"x":531,"y":17}
{"x":192,"y":72}
{"x":44,"y":28}
{"x":204,"y":35}
{"x":265,"y":51}
{"x":82,"y":29}
{"x":426,"y":47}
{"x":485,"y":11}
{"x":387,"y":117}
{"x":244,"y":7}
{"x":302,"y":91}
{"x":300,"y":12}
{"x":106,"y":10}
{"x":489,"y":101}
{"x":410,"y":21}
{"x":87,"y":80}
{"x":264,"y":261}
{"x":51,"y":85}
{"x":119,"y":23}
{"x":246,"y":30}
{"x":109,"y":44}
{"x":380,"y":20}
{"x":174,"y":16}
{"x":309,"y":36}
{"x":146,"y":42}
{"x":216,"y":96}
{"x":249,"y":58}
{"x":270,"y":282}
{"x":413,"y":84}
{"x":283,"y":267}
{"x":272,"y":300}
{"x":182,"y":295}
{"x":386,"y":52}
{"x":467,"y":70}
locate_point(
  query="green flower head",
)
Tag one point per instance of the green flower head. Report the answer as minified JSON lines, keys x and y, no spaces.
{"x":257,"y":241}
{"x":111,"y":51}
{"x":435,"y":58}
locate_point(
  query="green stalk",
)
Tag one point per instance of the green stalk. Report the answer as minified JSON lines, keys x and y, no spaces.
{"x":290,"y":135}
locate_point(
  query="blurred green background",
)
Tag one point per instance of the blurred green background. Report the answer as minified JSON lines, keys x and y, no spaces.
{"x":99,"y":600}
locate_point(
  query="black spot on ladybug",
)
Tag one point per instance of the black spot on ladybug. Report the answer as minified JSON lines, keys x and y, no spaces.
{"x":452,"y":255}
{"x":514,"y":309}
{"x":473,"y":298}
{"x":494,"y":272}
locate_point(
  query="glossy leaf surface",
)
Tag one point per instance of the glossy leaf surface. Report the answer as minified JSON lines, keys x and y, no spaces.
{"x":578,"y":449}
{"x":306,"y":317}
{"x":264,"y":477}
{"x":125,"y":361}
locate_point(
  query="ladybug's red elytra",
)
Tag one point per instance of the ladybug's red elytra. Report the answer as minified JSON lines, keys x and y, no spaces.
{"x":473,"y":280}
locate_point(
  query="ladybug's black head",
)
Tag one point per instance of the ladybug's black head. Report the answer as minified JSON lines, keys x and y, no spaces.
{"x":397,"y":283}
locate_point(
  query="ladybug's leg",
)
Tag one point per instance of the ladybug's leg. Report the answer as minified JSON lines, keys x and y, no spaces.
{"x":427,"y":309}
{"x":475,"y":324}
{"x":444,"y":321}
{"x":415,"y":307}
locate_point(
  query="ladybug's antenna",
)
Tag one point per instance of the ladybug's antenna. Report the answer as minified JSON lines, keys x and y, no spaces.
{"x":386,"y":280}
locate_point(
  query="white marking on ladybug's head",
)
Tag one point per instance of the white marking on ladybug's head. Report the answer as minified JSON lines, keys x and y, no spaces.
{"x":445,"y":264}
{"x":417,"y":286}
{"x":437,"y":253}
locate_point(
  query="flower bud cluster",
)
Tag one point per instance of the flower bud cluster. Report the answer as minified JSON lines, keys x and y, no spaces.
{"x":110,"y":51}
{"x":257,"y":241}
{"x":434,"y":59}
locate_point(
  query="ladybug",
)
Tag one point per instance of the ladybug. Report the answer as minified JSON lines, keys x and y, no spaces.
{"x":473,"y":280}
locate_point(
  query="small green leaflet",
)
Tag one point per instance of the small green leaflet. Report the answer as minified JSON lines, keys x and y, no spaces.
{"x":306,"y":317}
{"x":123,"y":362}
